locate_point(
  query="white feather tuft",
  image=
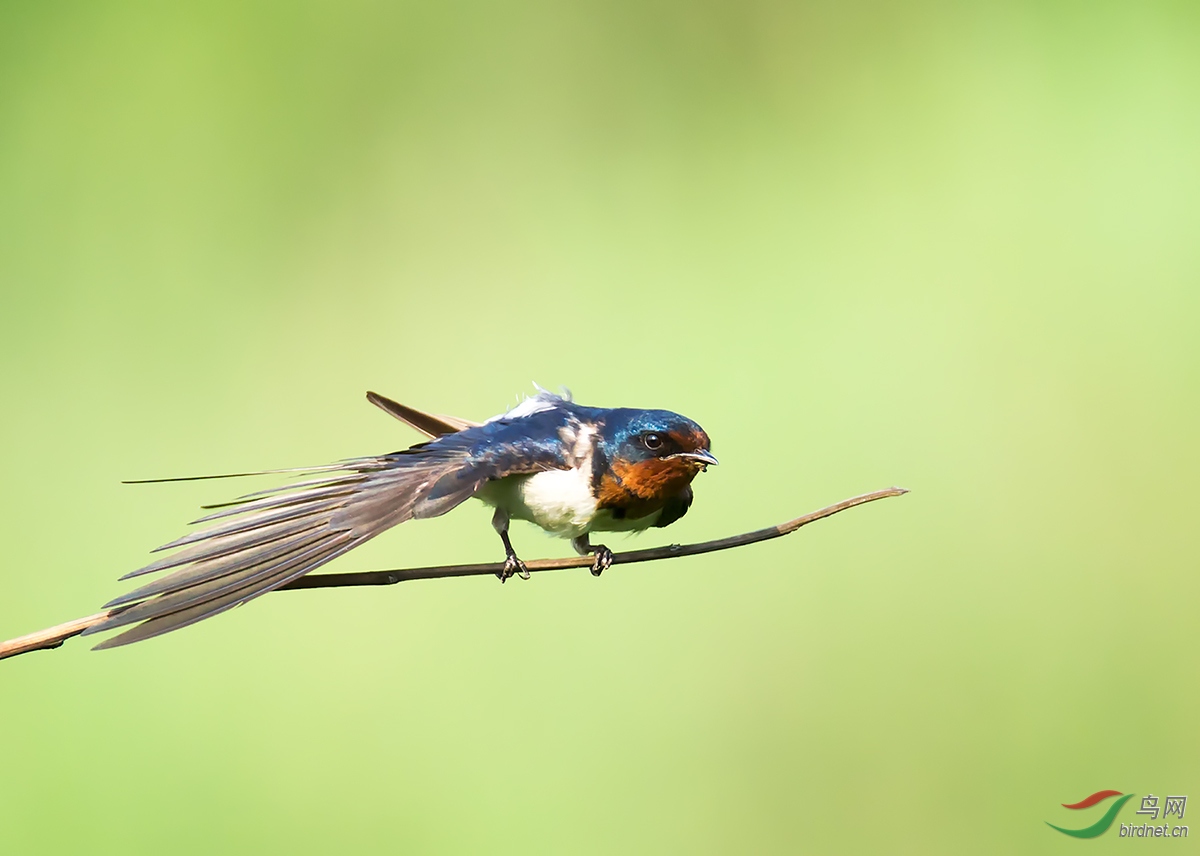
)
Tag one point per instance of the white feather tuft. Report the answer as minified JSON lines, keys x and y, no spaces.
{"x":543,"y":400}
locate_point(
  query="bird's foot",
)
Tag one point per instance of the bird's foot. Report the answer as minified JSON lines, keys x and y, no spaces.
{"x":513,"y":565}
{"x":604,"y":559}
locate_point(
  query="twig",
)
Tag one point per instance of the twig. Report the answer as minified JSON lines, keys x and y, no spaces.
{"x":53,"y":637}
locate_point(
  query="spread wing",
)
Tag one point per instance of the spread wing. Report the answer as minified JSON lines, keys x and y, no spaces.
{"x":268,"y":538}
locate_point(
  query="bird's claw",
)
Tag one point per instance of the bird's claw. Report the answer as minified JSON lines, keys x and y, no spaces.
{"x":604,"y":559}
{"x":513,"y":565}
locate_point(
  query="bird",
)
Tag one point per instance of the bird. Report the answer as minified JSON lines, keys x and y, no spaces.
{"x":570,"y":469}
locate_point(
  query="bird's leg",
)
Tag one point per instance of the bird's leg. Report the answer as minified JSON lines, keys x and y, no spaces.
{"x":512,"y":565}
{"x":604,"y":556}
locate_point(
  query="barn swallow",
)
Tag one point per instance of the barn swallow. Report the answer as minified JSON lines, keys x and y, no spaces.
{"x":570,"y":469}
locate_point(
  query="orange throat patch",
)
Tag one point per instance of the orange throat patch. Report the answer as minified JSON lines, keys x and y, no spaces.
{"x":641,"y":488}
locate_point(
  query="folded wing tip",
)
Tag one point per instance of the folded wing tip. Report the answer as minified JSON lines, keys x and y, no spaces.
{"x":117,"y":641}
{"x":120,"y":601}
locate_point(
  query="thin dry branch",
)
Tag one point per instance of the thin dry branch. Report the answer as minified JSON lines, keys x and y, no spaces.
{"x":53,"y":637}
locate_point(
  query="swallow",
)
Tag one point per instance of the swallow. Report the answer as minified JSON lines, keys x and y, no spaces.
{"x":571,"y":470}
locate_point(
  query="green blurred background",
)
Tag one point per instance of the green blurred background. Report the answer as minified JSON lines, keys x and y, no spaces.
{"x":947,"y":246}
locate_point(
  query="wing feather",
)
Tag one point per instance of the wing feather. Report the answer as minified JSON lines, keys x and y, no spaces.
{"x":273,"y":502}
{"x":267,"y":538}
{"x":159,"y":624}
{"x":202,"y":570}
{"x":217,"y":547}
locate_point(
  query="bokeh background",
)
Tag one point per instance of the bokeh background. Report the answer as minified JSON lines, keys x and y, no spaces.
{"x":947,"y":246}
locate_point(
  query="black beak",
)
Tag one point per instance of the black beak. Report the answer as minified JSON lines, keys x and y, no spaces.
{"x":702,"y":455}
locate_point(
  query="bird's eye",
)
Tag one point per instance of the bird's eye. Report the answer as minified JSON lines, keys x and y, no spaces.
{"x":653,"y":441}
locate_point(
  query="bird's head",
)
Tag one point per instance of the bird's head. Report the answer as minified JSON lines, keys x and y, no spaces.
{"x":653,"y":453}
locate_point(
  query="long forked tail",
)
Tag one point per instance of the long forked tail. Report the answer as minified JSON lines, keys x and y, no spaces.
{"x":308,"y":470}
{"x":268,"y":538}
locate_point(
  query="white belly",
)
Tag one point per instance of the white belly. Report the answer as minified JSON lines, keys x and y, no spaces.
{"x":559,"y":501}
